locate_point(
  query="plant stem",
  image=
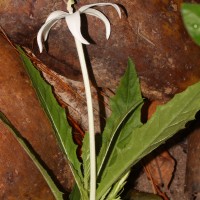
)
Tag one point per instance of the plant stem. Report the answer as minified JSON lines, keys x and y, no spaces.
{"x":90,"y":120}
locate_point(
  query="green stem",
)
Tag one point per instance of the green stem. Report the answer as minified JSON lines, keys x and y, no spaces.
{"x":90,"y":120}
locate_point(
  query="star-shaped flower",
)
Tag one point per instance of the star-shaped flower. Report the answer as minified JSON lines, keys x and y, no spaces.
{"x":73,"y":21}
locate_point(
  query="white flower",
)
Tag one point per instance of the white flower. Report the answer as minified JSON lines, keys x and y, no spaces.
{"x":74,"y":22}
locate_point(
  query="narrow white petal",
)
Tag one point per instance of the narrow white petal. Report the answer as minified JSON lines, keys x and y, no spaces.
{"x":101,"y":16}
{"x":44,"y":30}
{"x":47,"y":28}
{"x":58,"y":14}
{"x":52,"y":19}
{"x":84,"y":8}
{"x":74,"y":23}
{"x":39,"y":39}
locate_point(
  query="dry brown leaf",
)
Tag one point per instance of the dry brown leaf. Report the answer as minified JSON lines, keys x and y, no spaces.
{"x":19,"y":103}
{"x":161,"y":169}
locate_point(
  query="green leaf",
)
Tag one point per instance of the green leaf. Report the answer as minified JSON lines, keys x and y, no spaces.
{"x":75,"y":194}
{"x":56,"y":192}
{"x":191,"y":18}
{"x":127,"y":98}
{"x":114,"y":194}
{"x":105,"y":194}
{"x":86,"y":162}
{"x":167,"y":120}
{"x":57,"y":117}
